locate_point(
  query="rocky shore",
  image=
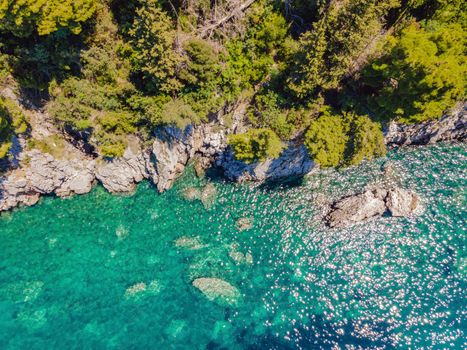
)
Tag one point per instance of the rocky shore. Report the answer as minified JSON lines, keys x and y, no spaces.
{"x":451,"y":127}
{"x":33,"y":173}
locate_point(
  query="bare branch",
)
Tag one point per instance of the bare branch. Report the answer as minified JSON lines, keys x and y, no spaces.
{"x":206,"y":30}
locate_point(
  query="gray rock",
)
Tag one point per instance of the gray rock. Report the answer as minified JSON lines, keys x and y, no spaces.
{"x":122,"y":174}
{"x":401,"y":202}
{"x":370,"y":204}
{"x":45,"y":175}
{"x":357,"y":208}
{"x":451,"y":127}
{"x":294,"y":161}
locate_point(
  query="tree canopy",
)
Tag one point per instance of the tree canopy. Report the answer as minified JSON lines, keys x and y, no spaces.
{"x":23,"y":18}
{"x":325,"y":73}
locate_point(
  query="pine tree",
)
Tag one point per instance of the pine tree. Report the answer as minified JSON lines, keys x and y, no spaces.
{"x":22,"y":18}
{"x":335,"y":42}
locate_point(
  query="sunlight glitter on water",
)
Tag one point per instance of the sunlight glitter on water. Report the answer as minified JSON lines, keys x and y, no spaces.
{"x":124,"y":278}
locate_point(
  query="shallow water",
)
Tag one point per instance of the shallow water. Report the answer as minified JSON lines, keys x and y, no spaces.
{"x":115,"y":272}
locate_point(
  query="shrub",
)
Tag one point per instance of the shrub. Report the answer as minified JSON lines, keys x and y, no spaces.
{"x":255,"y":145}
{"x":367,"y":140}
{"x":346,"y":139}
{"x":326,"y":139}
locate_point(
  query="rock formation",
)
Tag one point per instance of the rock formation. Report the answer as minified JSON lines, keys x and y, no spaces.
{"x":451,"y":127}
{"x":370,"y":204}
{"x":33,"y":173}
{"x":294,"y":161}
{"x":45,"y":174}
{"x":216,"y":289}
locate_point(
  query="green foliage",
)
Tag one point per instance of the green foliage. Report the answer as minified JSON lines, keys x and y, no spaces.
{"x":202,"y":66}
{"x":179,"y":113}
{"x":255,"y":145}
{"x":161,"y":62}
{"x":269,"y":110}
{"x":22,"y":18}
{"x":12,"y":121}
{"x":151,"y":49}
{"x":367,"y":140}
{"x":337,"y":39}
{"x":201,"y":77}
{"x":423,"y":73}
{"x":326,"y":139}
{"x":346,"y":139}
{"x":254,"y":57}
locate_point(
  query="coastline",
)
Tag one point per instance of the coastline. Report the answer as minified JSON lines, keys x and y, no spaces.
{"x":33,"y":173}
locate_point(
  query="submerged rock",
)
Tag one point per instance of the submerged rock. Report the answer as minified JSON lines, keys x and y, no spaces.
{"x":121,"y":232}
{"x":191,"y":193}
{"x":372,"y":203}
{"x":135,"y":289}
{"x":239,"y":257}
{"x":208,"y":195}
{"x":243,"y":224}
{"x":216,"y":289}
{"x":176,"y":329}
{"x":192,"y":243}
{"x":142,"y":289}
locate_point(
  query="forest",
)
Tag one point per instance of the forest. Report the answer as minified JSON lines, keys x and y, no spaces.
{"x":326,"y":73}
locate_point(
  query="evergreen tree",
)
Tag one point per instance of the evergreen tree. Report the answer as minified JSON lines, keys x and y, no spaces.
{"x":151,"y":49}
{"x":337,"y":39}
{"x":423,"y":73}
{"x":23,"y":18}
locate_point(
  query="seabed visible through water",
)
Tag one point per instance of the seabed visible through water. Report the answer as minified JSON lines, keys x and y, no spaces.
{"x":115,"y":272}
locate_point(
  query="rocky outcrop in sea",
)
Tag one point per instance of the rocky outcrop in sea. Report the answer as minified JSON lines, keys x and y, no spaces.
{"x":372,"y":203}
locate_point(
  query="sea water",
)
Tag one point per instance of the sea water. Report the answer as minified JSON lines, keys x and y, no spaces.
{"x":104,"y":271}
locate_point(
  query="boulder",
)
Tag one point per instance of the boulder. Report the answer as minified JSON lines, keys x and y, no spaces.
{"x":372,"y":203}
{"x":357,"y":208}
{"x":401,"y":202}
{"x":216,"y":289}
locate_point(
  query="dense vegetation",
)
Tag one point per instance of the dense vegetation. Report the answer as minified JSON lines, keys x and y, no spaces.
{"x":325,"y":72}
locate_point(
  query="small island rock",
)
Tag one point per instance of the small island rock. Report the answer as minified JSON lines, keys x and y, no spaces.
{"x":372,"y":203}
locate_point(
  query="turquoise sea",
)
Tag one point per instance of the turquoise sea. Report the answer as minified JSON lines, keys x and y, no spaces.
{"x":115,"y":272}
